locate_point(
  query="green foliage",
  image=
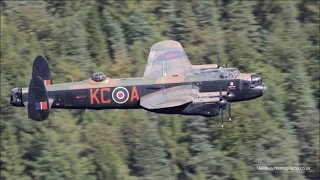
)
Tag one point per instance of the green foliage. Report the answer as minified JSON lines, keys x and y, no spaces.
{"x":309,"y":17}
{"x":278,"y":39}
{"x":96,"y":40}
{"x":149,"y":156}
{"x":242,"y":36}
{"x":137,"y":28}
{"x":77,"y":43}
{"x":109,"y":164}
{"x":204,"y":158}
{"x":114,"y":32}
{"x":10,"y":163}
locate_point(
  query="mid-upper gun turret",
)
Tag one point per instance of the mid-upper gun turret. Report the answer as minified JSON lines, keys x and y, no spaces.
{"x":98,"y":77}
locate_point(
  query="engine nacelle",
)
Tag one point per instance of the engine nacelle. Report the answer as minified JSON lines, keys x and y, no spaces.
{"x":203,"y":109}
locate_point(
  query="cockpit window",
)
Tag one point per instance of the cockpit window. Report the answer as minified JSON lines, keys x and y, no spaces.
{"x":220,"y":73}
{"x":233,"y":73}
{"x":98,"y":77}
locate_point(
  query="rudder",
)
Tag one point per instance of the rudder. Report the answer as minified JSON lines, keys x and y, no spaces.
{"x":41,"y":68}
{"x":38,"y":103}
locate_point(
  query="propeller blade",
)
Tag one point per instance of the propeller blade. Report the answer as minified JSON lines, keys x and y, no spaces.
{"x":229,"y":110}
{"x":221,"y":116}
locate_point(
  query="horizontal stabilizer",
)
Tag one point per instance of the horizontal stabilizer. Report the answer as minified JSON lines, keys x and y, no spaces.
{"x":38,"y":103}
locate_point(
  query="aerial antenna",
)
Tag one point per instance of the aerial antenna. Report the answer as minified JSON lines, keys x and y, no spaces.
{"x":218,"y":60}
{"x":71,"y":78}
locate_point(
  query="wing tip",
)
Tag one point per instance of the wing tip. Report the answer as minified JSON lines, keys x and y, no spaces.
{"x":165,"y":44}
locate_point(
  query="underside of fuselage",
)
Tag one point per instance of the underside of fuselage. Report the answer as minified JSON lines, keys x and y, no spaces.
{"x":193,"y":109}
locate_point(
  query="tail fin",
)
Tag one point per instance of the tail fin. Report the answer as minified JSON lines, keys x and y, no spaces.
{"x":38,"y":103}
{"x":41,"y":69}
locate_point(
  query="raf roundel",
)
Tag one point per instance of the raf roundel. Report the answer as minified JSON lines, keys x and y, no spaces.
{"x":120,"y":95}
{"x":170,"y":55}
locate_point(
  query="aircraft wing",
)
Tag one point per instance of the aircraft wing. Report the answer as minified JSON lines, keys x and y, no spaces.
{"x":171,"y":97}
{"x":177,"y":96}
{"x":167,"y":58}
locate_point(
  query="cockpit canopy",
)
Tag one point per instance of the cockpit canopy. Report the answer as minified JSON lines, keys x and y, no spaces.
{"x":98,"y":77}
{"x":220,"y":73}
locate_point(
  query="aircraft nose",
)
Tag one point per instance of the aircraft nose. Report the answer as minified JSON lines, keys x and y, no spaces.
{"x":265,"y":87}
{"x":258,"y":91}
{"x":256,"y":80}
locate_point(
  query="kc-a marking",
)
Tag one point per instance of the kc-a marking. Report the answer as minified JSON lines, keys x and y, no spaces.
{"x":95,"y":100}
{"x":119,"y":95}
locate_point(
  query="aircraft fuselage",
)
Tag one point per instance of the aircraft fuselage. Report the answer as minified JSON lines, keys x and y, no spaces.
{"x":126,"y":93}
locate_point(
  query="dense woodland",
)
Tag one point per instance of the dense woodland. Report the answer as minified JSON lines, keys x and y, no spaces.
{"x":278,"y":39}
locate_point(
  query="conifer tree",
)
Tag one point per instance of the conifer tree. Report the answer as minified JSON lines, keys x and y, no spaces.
{"x":137,"y":28}
{"x":165,"y":12}
{"x":11,"y":165}
{"x":114,"y":32}
{"x":150,"y":157}
{"x":171,"y":131}
{"x":309,"y":18}
{"x":109,"y":164}
{"x":306,"y":126}
{"x":96,"y":39}
{"x":77,"y":44}
{"x":205,"y":159}
{"x":57,"y":153}
{"x":242,"y":36}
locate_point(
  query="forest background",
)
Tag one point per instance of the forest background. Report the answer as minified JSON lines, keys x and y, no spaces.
{"x":278,"y":39}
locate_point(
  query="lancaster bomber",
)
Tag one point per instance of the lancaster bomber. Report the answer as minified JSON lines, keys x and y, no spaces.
{"x":170,"y":85}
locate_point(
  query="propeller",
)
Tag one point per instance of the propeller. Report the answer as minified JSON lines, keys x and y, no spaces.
{"x":221,"y":116}
{"x":223,"y":103}
{"x":229,"y":105}
{"x":221,"y":108}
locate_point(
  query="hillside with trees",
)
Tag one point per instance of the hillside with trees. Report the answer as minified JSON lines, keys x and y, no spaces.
{"x":277,"y":39}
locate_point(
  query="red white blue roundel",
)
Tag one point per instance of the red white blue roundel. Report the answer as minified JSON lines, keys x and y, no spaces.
{"x":120,"y":95}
